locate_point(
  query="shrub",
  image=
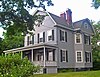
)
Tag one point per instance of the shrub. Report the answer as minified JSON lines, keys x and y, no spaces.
{"x":14,"y":66}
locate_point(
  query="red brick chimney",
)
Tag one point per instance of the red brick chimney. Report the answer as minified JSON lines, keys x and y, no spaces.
{"x":63,"y":15}
{"x":69,"y":16}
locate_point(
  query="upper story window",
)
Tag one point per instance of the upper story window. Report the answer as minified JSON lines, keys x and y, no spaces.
{"x":86,"y":39}
{"x":50,"y":35}
{"x":79,"y":56}
{"x":29,"y":40}
{"x":63,"y":35}
{"x":64,"y":56}
{"x":88,"y":57}
{"x":78,"y":38}
{"x":41,"y":37}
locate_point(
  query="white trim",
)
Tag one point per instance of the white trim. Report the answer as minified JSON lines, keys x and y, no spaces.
{"x":80,"y":38}
{"x":81,"y":57}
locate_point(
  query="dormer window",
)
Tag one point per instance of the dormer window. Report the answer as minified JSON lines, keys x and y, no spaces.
{"x":86,"y":25}
{"x":78,"y":38}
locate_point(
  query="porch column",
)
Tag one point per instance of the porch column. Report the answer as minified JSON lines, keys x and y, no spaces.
{"x":44,"y":56}
{"x":32,"y":55}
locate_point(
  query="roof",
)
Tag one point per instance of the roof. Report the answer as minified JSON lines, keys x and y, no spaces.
{"x":59,"y":20}
{"x":79,"y":23}
{"x":30,"y":47}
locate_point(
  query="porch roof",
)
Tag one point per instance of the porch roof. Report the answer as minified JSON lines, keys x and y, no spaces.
{"x":30,"y":47}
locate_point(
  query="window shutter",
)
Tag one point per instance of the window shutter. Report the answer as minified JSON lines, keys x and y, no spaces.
{"x":89,"y":40}
{"x":60,"y":35}
{"x":38,"y":38}
{"x":66,"y":36}
{"x":27,"y":40}
{"x":32,"y":39}
{"x":84,"y":39}
{"x":43,"y":36}
{"x":53,"y":55}
{"x":86,"y":56}
{"x":90,"y":58}
{"x":61,"y":55}
{"x":66,"y":56}
{"x":52,"y":35}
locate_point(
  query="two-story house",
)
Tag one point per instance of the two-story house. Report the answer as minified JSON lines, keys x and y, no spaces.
{"x":58,"y":43}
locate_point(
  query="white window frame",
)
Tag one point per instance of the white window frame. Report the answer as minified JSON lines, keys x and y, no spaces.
{"x":89,"y":56}
{"x":49,"y":33}
{"x":81,"y":57}
{"x":80,"y":38}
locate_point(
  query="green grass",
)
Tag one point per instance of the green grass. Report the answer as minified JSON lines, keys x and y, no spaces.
{"x":71,"y":74}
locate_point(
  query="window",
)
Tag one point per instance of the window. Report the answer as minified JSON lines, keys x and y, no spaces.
{"x":88,"y":57}
{"x":41,"y":37}
{"x":78,"y":38}
{"x":50,"y":56}
{"x":86,"y":25}
{"x":78,"y":56}
{"x":50,"y":35}
{"x":63,"y":35}
{"x":64,"y":56}
{"x":87,"y":39}
{"x":29,"y":40}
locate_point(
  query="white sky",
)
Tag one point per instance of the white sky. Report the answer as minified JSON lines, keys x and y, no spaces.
{"x":80,"y":9}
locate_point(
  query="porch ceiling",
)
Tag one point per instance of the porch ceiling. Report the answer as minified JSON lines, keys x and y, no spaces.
{"x":30,"y":48}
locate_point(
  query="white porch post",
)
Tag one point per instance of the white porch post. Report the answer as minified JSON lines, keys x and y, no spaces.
{"x":44,"y":57}
{"x":32,"y":55}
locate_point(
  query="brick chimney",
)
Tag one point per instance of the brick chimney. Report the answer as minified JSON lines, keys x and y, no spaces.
{"x":63,"y":15}
{"x":69,"y":16}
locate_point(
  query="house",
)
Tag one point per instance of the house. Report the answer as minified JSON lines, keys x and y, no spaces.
{"x":58,"y":43}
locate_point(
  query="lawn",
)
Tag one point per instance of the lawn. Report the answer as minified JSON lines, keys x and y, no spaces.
{"x":71,"y":74}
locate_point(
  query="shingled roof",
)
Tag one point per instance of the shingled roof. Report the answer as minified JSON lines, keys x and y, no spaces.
{"x":60,"y":21}
{"x":79,"y":23}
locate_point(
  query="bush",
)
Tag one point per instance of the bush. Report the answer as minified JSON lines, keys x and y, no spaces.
{"x":14,"y":66}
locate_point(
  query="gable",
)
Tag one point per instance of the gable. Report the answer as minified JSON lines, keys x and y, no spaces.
{"x":87,"y":27}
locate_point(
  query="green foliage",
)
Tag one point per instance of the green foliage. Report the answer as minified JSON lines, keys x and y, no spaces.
{"x":71,"y":74}
{"x":16,"y":12}
{"x":95,"y":47}
{"x":65,"y":70}
{"x":13,"y":66}
{"x":96,"y":3}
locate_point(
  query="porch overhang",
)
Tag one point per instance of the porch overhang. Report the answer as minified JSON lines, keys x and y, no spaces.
{"x":30,"y":47}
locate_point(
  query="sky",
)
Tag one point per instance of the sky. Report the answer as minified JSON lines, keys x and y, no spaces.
{"x":80,"y":9}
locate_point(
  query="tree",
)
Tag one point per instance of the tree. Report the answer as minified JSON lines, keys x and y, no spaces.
{"x":16,"y":12}
{"x":95,"y":47}
{"x":96,"y":3}
{"x":13,"y":66}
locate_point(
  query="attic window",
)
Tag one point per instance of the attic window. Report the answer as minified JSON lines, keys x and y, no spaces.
{"x":86,"y":25}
